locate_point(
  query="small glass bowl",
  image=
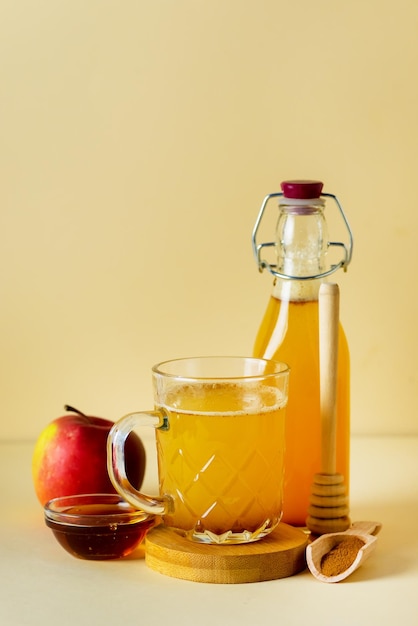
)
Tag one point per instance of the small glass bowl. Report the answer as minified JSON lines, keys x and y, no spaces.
{"x":97,"y":526}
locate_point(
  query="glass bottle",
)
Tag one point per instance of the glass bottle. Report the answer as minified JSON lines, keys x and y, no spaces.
{"x":289,"y":332}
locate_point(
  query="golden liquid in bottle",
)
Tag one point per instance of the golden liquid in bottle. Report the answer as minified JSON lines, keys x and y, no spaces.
{"x":289,"y":333}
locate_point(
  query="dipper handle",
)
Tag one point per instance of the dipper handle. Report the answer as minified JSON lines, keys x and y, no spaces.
{"x":329,"y":309}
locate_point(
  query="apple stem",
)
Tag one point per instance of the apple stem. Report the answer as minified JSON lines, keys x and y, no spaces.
{"x":67,"y":407}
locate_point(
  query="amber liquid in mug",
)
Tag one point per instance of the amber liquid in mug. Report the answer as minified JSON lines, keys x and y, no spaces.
{"x":221,"y":460}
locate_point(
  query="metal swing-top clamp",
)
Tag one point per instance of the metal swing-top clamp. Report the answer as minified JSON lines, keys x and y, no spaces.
{"x":272,"y":268}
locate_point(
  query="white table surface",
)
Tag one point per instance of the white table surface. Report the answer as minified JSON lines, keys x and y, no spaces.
{"x":42,"y":584}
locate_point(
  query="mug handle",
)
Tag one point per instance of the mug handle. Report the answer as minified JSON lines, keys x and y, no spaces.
{"x":155,"y":505}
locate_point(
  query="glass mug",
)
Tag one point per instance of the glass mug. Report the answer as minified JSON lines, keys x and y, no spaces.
{"x":219,"y":424}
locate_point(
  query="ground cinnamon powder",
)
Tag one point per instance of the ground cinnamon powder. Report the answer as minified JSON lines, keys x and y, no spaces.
{"x":341,"y":556}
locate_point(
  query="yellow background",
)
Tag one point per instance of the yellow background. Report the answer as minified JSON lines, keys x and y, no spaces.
{"x":137,"y":141}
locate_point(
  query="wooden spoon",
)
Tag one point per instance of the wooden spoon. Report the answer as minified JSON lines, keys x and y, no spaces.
{"x":316,"y":551}
{"x":328,"y":510}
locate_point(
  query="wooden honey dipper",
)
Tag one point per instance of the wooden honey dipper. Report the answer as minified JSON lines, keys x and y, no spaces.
{"x":328,"y":511}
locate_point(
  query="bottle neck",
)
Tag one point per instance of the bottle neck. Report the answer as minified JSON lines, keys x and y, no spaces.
{"x":301,"y":246}
{"x":296,"y":290}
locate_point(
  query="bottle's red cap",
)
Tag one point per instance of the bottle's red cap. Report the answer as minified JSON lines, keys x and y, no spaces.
{"x":302,"y":189}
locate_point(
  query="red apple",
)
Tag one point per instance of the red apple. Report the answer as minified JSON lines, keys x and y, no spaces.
{"x":70,"y":457}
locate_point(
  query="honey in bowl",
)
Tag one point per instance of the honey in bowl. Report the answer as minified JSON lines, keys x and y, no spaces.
{"x":97,"y":526}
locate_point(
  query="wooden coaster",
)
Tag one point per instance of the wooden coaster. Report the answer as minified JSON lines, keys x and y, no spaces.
{"x":280,"y":554}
